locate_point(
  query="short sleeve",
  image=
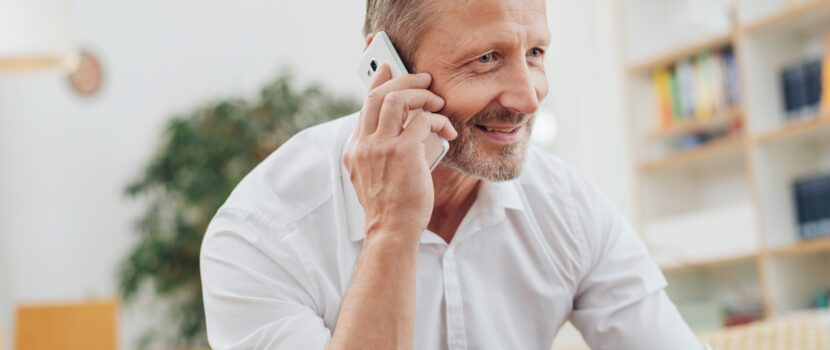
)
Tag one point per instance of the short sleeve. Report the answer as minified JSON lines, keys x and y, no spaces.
{"x":257,"y":294}
{"x":621,"y":303}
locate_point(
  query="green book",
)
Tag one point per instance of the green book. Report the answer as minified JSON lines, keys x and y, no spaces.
{"x":676,"y":102}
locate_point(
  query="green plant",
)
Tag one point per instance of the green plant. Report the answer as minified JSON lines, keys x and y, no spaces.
{"x":203,"y":156}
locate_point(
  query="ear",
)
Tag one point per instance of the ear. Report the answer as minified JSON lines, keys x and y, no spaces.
{"x":369,"y":39}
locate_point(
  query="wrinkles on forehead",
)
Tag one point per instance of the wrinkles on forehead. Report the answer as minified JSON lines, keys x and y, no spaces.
{"x":461,"y":29}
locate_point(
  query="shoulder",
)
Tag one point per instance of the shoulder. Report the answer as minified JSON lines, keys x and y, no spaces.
{"x":548,"y":174}
{"x":296,"y":178}
{"x":558,"y":189}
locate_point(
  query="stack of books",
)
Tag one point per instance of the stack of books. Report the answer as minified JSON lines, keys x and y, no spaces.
{"x":805,"y":86}
{"x":696,"y":89}
{"x":812,"y":201}
{"x":801,"y":84}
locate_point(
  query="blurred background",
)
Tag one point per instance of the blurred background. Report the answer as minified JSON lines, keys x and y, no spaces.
{"x":123,"y":126}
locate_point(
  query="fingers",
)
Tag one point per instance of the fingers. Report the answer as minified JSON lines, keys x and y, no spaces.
{"x":383,"y":86}
{"x":397,"y":104}
{"x":383,"y":75}
{"x":425,"y":123}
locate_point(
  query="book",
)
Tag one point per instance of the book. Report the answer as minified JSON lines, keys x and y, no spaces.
{"x":676,"y":102}
{"x":695,"y":89}
{"x":812,"y":84}
{"x":793,"y":89}
{"x":716,"y":70}
{"x":686,"y":83}
{"x":662,"y":89}
{"x":730,"y":78}
{"x":825,"y":72}
{"x":703,"y":106}
{"x":812,"y":199}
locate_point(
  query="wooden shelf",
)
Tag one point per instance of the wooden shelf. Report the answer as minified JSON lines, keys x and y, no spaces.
{"x":802,"y":247}
{"x":724,"y":117}
{"x":709,"y":263}
{"x":711,"y":148}
{"x":679,"y":53}
{"x":796,"y":128}
{"x":793,"y":12}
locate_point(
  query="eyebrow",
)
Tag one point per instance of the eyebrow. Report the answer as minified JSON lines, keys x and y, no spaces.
{"x":481,"y":47}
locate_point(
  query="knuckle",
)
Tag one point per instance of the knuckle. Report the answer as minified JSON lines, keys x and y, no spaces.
{"x":399,"y":151}
{"x":394,"y":97}
{"x":419,"y":118}
{"x":377,"y":151}
{"x":374,"y":95}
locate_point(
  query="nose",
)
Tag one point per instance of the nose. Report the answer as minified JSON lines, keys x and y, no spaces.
{"x":521,"y":93}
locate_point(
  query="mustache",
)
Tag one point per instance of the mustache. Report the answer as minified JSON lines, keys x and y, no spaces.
{"x":499,"y":115}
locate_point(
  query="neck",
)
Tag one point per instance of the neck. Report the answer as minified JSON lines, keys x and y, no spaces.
{"x":455,"y":193}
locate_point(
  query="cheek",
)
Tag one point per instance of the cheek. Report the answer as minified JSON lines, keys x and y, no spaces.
{"x":465,"y":100}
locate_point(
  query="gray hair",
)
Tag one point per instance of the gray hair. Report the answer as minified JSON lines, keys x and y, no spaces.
{"x":405,"y":21}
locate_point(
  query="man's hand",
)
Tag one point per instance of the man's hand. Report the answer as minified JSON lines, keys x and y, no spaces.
{"x":391,"y":177}
{"x":386,"y":162}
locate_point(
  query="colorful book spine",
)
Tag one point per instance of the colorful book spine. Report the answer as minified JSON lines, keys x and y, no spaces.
{"x":662,"y":86}
{"x":686,"y":79}
{"x":695,"y":89}
{"x":677,"y":104}
{"x":703,"y":88}
{"x":716,"y":69}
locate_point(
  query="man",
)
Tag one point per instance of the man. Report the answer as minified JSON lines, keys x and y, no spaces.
{"x":343,"y":239}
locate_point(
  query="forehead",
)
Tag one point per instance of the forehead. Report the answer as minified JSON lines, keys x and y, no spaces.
{"x":472,"y":22}
{"x":526,"y":12}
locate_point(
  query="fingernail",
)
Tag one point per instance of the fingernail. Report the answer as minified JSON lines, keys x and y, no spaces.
{"x":424,"y":75}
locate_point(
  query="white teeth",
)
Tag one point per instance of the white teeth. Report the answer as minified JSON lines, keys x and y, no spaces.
{"x":509,"y":130}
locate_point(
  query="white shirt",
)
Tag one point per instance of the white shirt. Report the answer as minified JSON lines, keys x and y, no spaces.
{"x":531,"y":253}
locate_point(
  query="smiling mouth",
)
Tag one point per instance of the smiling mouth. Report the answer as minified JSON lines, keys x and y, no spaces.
{"x":506,"y":129}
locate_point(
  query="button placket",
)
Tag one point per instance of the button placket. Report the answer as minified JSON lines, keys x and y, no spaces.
{"x":456,"y":332}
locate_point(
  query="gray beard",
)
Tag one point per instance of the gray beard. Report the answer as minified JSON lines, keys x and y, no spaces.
{"x":467,"y":156}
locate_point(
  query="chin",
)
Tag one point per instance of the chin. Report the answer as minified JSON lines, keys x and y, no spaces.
{"x":475,"y":154}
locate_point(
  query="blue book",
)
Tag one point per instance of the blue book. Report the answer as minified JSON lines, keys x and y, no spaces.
{"x":795,"y":94}
{"x":812,"y":84}
{"x":730,"y":78}
{"x":812,"y":198}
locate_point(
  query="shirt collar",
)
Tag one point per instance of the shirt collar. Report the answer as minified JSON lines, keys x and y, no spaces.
{"x":494,"y":199}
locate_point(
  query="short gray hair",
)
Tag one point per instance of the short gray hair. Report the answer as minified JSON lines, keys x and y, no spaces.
{"x":405,"y":21}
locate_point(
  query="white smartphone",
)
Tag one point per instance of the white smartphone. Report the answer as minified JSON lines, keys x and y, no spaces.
{"x":382,"y":51}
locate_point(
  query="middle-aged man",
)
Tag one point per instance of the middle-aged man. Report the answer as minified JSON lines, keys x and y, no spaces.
{"x":343,"y":239}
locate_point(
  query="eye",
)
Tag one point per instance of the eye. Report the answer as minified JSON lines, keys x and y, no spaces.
{"x":485,"y":58}
{"x":535,"y":52}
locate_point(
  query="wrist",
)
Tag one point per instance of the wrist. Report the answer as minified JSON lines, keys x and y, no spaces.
{"x":393,"y":234}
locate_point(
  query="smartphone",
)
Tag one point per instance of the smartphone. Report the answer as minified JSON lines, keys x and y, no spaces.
{"x":382,"y":51}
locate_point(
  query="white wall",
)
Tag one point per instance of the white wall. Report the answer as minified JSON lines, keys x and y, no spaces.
{"x":587,"y":96}
{"x":64,"y":160}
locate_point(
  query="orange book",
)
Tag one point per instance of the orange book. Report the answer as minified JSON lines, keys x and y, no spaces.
{"x":661,"y":81}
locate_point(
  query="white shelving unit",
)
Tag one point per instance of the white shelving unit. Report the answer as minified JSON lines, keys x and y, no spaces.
{"x":720,"y":218}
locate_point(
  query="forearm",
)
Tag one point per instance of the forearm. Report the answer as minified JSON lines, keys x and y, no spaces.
{"x":378,"y":311}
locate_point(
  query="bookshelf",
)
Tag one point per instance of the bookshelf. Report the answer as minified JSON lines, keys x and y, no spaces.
{"x":726,"y":117}
{"x":684,"y":51}
{"x":710,"y":149}
{"x":719,"y":216}
{"x":819,"y":124}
